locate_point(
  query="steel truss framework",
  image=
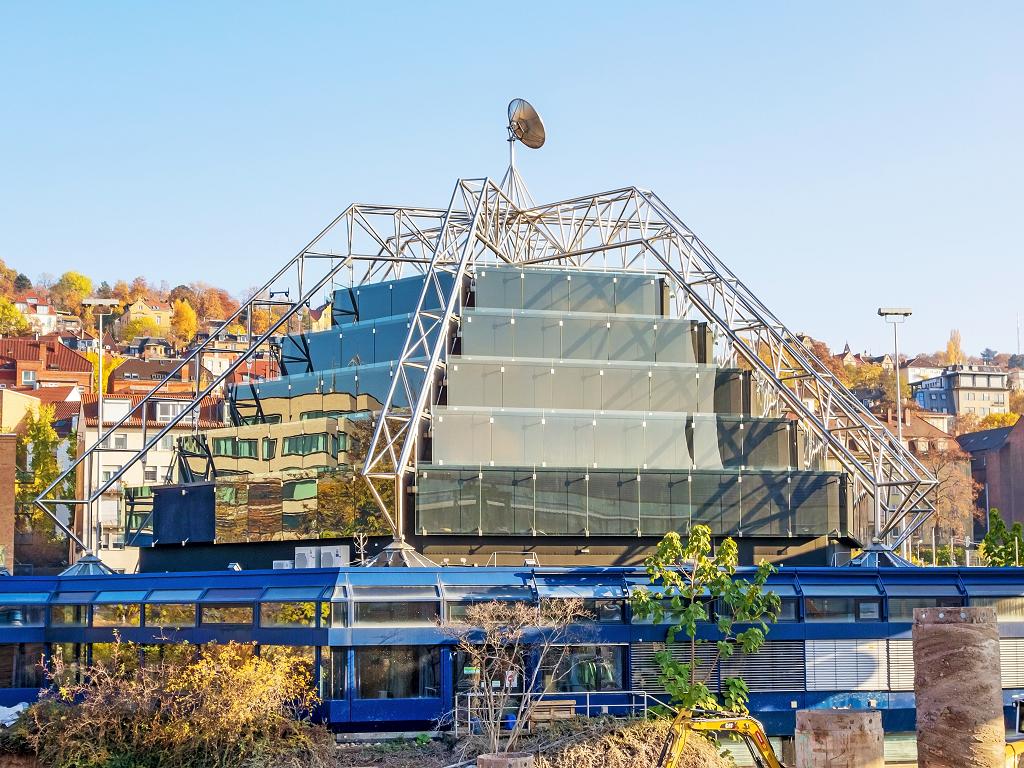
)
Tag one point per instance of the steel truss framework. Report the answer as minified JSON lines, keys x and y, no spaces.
{"x":626,"y":229}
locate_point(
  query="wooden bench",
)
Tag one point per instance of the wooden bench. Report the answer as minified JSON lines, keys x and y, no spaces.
{"x":550,"y":711}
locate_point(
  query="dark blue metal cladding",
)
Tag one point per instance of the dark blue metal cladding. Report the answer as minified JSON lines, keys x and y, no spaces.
{"x":363,"y":343}
{"x":785,"y":675}
{"x":379,"y":300}
{"x":186,"y":513}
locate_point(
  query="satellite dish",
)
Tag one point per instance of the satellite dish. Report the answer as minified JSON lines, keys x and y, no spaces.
{"x":525,"y":124}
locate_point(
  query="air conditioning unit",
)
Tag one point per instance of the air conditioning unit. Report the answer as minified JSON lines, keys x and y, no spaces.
{"x":284,"y":565}
{"x":335,"y":557}
{"x":306,"y":557}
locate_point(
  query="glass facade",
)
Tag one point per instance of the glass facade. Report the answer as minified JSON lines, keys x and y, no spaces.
{"x":571,"y":403}
{"x":575,"y":406}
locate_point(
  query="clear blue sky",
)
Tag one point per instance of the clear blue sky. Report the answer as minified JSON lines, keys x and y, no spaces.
{"x":838,"y":156}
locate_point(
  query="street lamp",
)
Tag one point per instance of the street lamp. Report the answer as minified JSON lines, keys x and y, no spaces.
{"x":896,"y":316}
{"x":98,"y":302}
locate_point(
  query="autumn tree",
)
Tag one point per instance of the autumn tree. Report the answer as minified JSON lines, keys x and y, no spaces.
{"x":997,"y":420}
{"x":183,"y":292}
{"x":139,"y":289}
{"x":140,"y":326}
{"x":956,"y":492}
{"x":68,"y":292}
{"x":110,"y":364}
{"x":12,"y":322}
{"x":954,"y":348}
{"x":38,"y":449}
{"x":688,"y":580}
{"x":184,"y":322}
{"x":1017,"y":401}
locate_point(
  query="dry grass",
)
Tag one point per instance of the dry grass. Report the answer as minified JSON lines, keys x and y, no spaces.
{"x":582,"y":743}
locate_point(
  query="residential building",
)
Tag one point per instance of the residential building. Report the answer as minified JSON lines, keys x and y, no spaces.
{"x":1015,"y":379}
{"x":157,"y":311}
{"x":149,"y":348}
{"x":43,"y":362}
{"x":920,"y":434}
{"x":17,"y":404}
{"x":997,"y":464}
{"x":918,"y":369}
{"x":38,"y":313}
{"x":846,"y":357}
{"x":135,"y":375}
{"x":118,"y":525}
{"x":964,"y":389}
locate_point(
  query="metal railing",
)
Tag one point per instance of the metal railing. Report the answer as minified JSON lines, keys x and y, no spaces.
{"x":633,"y":703}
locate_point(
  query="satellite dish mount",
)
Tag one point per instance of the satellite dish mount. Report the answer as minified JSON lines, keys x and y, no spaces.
{"x":524,"y":125}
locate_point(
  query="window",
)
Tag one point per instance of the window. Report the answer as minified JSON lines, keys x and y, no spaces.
{"x":22,"y":615}
{"x":1007,"y":608}
{"x":842,"y":609}
{"x":108,"y":472}
{"x":69,"y":615}
{"x":171,"y":615}
{"x":584,"y":668}
{"x":396,"y":613}
{"x":73,"y":656}
{"x":20,"y":665}
{"x":332,"y":672}
{"x":166,"y":443}
{"x":605,"y":611}
{"x":117,"y":441}
{"x":227,"y":613}
{"x":398,"y":672}
{"x":304,"y":445}
{"x":299,"y":614}
{"x":167,"y":410}
{"x":269,"y":448}
{"x":116,"y":615}
{"x":151,"y":473}
{"x":28,"y":378}
{"x":902,"y":608}
{"x":787,"y":610}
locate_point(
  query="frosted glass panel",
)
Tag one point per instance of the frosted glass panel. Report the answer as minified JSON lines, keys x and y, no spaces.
{"x":706,"y":454}
{"x":584,"y":339}
{"x":547,"y":291}
{"x":484,"y":334}
{"x":592,"y":293}
{"x":625,"y":389}
{"x":637,"y":295}
{"x":538,"y":336}
{"x":674,"y":342}
{"x":631,"y":340}
{"x":665,"y":443}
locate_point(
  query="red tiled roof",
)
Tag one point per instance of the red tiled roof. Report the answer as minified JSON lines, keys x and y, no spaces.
{"x":58,"y":357}
{"x":66,"y":409}
{"x":49,"y":395}
{"x":208,"y":410}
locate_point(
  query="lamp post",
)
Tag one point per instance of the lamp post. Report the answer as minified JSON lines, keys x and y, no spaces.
{"x":94,"y":511}
{"x":896,"y":316}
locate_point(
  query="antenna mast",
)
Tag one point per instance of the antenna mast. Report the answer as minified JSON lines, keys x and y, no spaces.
{"x":525,"y":125}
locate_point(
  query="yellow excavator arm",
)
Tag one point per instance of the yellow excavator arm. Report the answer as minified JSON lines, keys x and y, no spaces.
{"x":744,"y":726}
